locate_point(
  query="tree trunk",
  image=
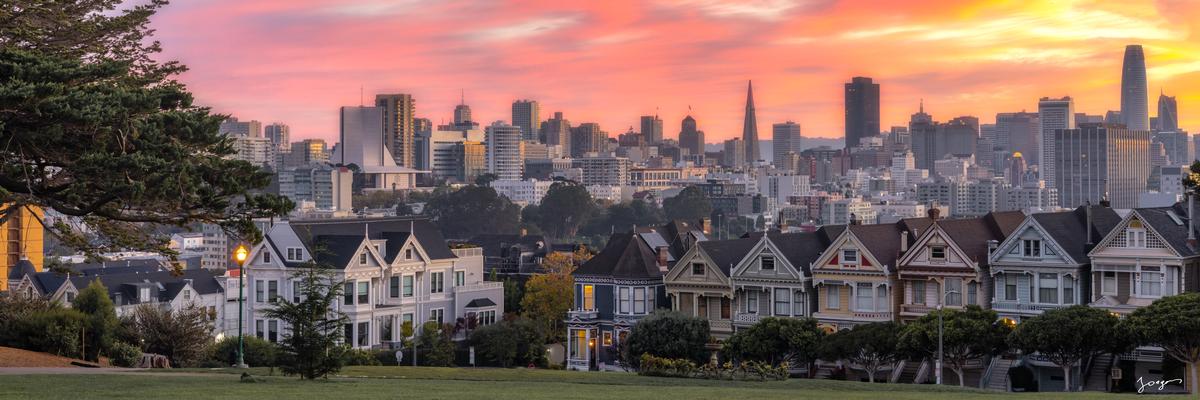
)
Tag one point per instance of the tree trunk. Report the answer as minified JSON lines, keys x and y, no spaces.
{"x":1194,"y":374}
{"x":870,"y":374}
{"x":959,"y":371}
{"x":1066,"y":377}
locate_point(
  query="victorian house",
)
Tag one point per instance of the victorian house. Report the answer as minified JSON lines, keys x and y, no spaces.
{"x":699,"y":283}
{"x":1044,"y":264}
{"x":394,"y":271}
{"x":1147,"y":256}
{"x":854,"y":276}
{"x":774,"y":278}
{"x":947,"y":264}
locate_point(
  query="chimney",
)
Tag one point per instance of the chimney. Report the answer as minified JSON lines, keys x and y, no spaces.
{"x":783,"y":226}
{"x":662,"y":258}
{"x":524,"y":232}
{"x":1191,"y":240}
{"x":854,"y":219}
{"x":1088,"y":212}
{"x":903,"y":242}
{"x":706,"y":226}
{"x":992,"y":246}
{"x":934,"y":212}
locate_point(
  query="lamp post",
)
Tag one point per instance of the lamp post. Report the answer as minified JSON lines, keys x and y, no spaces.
{"x":240,"y":255}
{"x":940,"y":324}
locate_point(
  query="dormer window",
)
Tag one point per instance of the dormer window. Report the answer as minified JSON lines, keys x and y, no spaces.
{"x":144,"y":295}
{"x":295,"y":254}
{"x":408,"y":254}
{"x":850,"y":257}
{"x":767,"y":263}
{"x":697,"y":268}
{"x":266,"y":258}
{"x":1031,"y":248}
{"x":362,"y":258}
{"x":1135,"y":238}
{"x":937,"y":253}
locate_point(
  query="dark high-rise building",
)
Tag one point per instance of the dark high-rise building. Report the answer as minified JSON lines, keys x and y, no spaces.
{"x":398,"y":129}
{"x":1018,"y":133}
{"x":1168,"y":113}
{"x":588,"y":138}
{"x":527,"y":116}
{"x":1097,"y":162}
{"x":1134,"y":109}
{"x":785,"y":138}
{"x":462,"y":113}
{"x":280,"y":134}
{"x":923,"y":135}
{"x":557,"y":131}
{"x":862,"y":110}
{"x":652,"y":129}
{"x":690,"y":137}
{"x":750,"y":126}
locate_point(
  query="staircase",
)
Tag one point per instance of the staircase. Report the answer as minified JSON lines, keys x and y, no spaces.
{"x":1097,"y":379}
{"x":997,"y":374}
{"x":924,"y":372}
{"x":907,"y":372}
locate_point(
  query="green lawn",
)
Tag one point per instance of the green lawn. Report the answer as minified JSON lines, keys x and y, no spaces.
{"x":453,"y":383}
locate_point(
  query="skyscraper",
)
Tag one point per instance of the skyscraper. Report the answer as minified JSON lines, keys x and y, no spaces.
{"x":398,"y":127}
{"x":233,"y":127}
{"x":527,"y":116}
{"x":1101,"y":161}
{"x":1019,"y":133}
{"x":1168,"y":113}
{"x":923,"y":136}
{"x":1134,"y":111}
{"x":462,"y":112}
{"x":750,"y":126}
{"x":652,"y":129}
{"x":862,"y":110}
{"x":422,"y":143}
{"x":785,"y":138}
{"x":504,"y":150}
{"x":557,"y":132}
{"x":690,"y":137}
{"x":280,"y":134}
{"x":363,"y":143}
{"x":588,"y":138}
{"x":1053,"y":114}
{"x":734,"y":154}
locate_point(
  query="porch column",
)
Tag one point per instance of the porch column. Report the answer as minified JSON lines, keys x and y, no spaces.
{"x":695,"y":304}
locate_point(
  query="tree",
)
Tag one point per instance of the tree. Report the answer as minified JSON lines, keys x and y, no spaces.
{"x":435,"y":344}
{"x":622,"y":216}
{"x":1172,"y":323}
{"x":776,"y":340}
{"x":182,"y":336}
{"x":485,"y":179}
{"x":565,"y":207}
{"x":691,"y":204}
{"x":1069,"y":335}
{"x":871,"y":346}
{"x":101,"y":325}
{"x":669,"y":334}
{"x":96,"y":128}
{"x":311,"y":347}
{"x":472,"y":210}
{"x":514,"y":290}
{"x":547,"y":299}
{"x":968,"y":334}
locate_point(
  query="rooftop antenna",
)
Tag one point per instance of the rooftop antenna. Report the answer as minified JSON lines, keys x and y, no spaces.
{"x":922,"y":110}
{"x":462,"y":99}
{"x":360,"y":96}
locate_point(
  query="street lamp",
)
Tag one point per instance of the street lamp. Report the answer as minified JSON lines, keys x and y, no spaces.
{"x":940,"y":324}
{"x":240,"y":255}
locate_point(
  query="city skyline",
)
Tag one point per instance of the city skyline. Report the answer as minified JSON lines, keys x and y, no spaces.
{"x":611,"y":65}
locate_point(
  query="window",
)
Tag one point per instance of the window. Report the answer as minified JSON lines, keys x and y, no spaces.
{"x":70,"y":296}
{"x":364,"y":329}
{"x":348,"y":294}
{"x":702,"y":307}
{"x":767,"y":263}
{"x":783,"y":302}
{"x":1010,"y":287}
{"x":407,"y":318}
{"x":608,"y":338}
{"x":437,"y":282}
{"x":863,"y":300}
{"x":725,"y":307}
{"x":1068,"y":284}
{"x":394,"y":287}
{"x":187,"y":294}
{"x":408,"y":255}
{"x":589,"y":297}
{"x":273,"y":330}
{"x":272,"y":291}
{"x":849,"y":257}
{"x":639,"y":300}
{"x":266,"y":258}
{"x":260,"y":329}
{"x":486,"y":317}
{"x":408,"y":286}
{"x":385,"y":329}
{"x":579,"y":344}
{"x":954,"y":292}
{"x":881,"y":298}
{"x":752,"y":302}
{"x":364,"y":292}
{"x":1151,"y":282}
{"x":973,"y":293}
{"x":937,"y":253}
{"x":918,"y":292}
{"x":1135,"y":237}
{"x":623,"y":305}
{"x":460,"y":278}
{"x":436,"y":315}
{"x":1108,"y":283}
{"x":1031,"y":248}
{"x":697,"y":268}
{"x":295,"y":254}
{"x":798,"y":303}
{"x":348,"y":331}
{"x":1048,"y":288}
{"x":260,"y":291}
{"x":362,"y":258}
{"x":833,"y":297}
{"x":296,"y":291}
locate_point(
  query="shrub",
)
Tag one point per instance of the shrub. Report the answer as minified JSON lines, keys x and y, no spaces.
{"x":436,"y":348}
{"x":183,"y":336}
{"x":55,"y":331}
{"x":670,"y":334}
{"x":258,"y":352}
{"x":124,"y":354}
{"x":101,"y":321}
{"x":361,"y":357}
{"x":682,"y":368}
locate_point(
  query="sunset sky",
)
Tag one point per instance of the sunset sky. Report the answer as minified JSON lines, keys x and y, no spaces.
{"x":297,"y":61}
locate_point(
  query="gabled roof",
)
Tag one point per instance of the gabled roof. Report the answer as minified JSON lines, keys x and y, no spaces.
{"x":881,"y":240}
{"x":801,"y":249}
{"x":142,"y":265}
{"x":343,"y":236}
{"x":1172,"y":225}
{"x":497,"y":244}
{"x":972,"y":234}
{"x":625,"y":256}
{"x":165,"y":284}
{"x":1069,"y":228}
{"x":726,"y":253}
{"x":22,"y":268}
{"x":335,"y":250}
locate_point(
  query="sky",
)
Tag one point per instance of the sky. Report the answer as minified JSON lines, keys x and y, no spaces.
{"x":297,"y":61}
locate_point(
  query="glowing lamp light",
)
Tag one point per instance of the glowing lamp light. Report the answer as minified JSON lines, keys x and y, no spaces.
{"x":241,"y":253}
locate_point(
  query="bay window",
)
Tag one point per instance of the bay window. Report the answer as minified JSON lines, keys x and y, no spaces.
{"x":833,"y":297}
{"x":863,"y":300}
{"x":589,"y":297}
{"x":639,"y":300}
{"x":623,"y":305}
{"x":783,"y":302}
{"x":1048,"y":288}
{"x":953,"y":292}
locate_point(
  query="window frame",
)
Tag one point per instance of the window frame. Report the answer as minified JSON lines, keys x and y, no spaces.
{"x":833,"y":297}
{"x":786,"y":302}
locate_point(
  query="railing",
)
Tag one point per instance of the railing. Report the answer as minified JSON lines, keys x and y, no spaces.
{"x":746,"y":318}
{"x":583,"y":314}
{"x":887,"y":315}
{"x":722,"y":325}
{"x":923,"y":372}
{"x":1001,"y":305}
{"x":479,"y":287}
{"x":577,"y":364}
{"x":468,"y":252}
{"x":898,"y":371}
{"x":916,"y":308}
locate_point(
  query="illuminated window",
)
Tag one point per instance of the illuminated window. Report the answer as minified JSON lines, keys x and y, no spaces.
{"x":589,"y":297}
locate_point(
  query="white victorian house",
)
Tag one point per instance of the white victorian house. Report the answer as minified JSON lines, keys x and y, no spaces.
{"x":774,"y":278}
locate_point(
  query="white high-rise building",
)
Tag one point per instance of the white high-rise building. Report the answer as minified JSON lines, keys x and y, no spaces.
{"x":234,"y":127}
{"x":504,"y":150}
{"x":363,"y":144}
{"x":256,"y":150}
{"x":1053,"y":114}
{"x":1094,"y":162}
